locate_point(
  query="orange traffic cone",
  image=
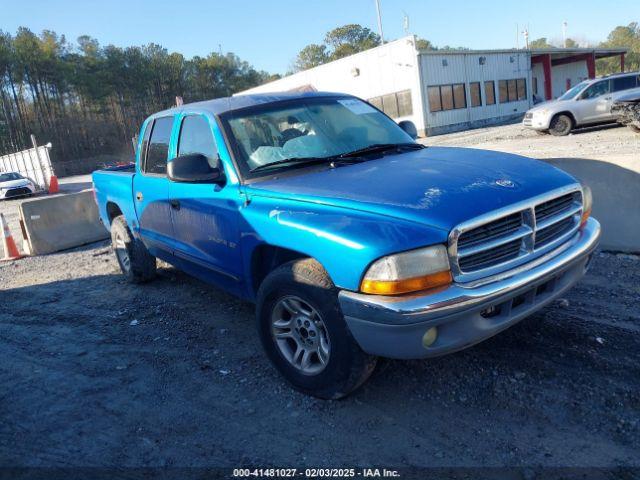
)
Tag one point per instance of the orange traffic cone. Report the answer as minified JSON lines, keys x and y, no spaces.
{"x":10,"y":250}
{"x":53,"y":184}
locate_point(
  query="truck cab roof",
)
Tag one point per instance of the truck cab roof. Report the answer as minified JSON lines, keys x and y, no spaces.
{"x":228,"y":104}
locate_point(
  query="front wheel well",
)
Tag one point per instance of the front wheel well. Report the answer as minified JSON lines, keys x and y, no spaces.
{"x":266,"y":258}
{"x":568,"y":114}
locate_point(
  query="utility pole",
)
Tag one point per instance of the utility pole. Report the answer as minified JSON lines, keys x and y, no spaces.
{"x":379,"y":22}
{"x":405,"y":23}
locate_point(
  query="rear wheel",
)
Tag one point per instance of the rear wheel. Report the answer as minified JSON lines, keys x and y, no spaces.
{"x":561,"y":125}
{"x":135,"y":261}
{"x":304,"y":333}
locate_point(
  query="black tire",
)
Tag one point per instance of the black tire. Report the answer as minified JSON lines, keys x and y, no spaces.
{"x":348,"y":366}
{"x":141,"y":265}
{"x":561,"y":125}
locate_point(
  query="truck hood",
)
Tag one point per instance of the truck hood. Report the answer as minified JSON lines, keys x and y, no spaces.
{"x":436,"y":186}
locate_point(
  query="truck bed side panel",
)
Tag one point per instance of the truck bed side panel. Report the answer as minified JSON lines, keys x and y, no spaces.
{"x":115,"y":187}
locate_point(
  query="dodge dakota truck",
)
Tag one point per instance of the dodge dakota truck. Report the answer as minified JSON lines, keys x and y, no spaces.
{"x":353,"y":240}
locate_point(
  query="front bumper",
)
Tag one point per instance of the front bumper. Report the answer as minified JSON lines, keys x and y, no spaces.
{"x":15,"y":192}
{"x":464,"y":315}
{"x":536,"y":121}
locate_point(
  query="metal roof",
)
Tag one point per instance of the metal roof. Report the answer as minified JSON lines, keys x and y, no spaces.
{"x":533,"y":51}
{"x":226,"y":104}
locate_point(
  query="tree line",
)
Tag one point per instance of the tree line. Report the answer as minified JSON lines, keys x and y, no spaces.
{"x":87,"y":99}
{"x":344,"y":41}
{"x":353,"y":38}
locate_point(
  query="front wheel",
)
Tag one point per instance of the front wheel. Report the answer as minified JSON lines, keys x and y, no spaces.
{"x":304,"y":333}
{"x":560,"y":125}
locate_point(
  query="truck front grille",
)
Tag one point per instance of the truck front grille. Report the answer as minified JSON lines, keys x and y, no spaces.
{"x":497,"y":242}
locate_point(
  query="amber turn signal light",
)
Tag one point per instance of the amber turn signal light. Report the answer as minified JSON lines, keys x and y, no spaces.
{"x":397,"y":287}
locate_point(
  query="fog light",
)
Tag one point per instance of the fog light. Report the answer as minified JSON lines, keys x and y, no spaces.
{"x":429,"y":337}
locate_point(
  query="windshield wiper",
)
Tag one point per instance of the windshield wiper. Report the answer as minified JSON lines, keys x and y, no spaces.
{"x":292,"y":160}
{"x":381,"y":148}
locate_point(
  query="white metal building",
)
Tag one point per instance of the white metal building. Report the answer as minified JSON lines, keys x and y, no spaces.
{"x":443,"y":91}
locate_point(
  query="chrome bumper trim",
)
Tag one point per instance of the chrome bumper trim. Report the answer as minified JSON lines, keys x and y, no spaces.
{"x":393,"y":326}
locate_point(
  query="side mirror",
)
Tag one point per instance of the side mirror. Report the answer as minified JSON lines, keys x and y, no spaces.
{"x":193,"y":168}
{"x":409,"y":128}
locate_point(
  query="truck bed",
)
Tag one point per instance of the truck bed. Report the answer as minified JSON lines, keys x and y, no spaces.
{"x":114,"y":192}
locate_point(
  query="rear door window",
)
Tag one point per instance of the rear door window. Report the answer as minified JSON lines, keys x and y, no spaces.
{"x":158,"y":150}
{"x":196,"y":137}
{"x":624,"y":83}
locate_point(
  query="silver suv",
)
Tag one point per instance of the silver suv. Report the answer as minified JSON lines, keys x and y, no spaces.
{"x":587,"y":103}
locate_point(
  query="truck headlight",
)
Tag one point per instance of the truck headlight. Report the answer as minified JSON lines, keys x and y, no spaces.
{"x":587,"y":202}
{"x":408,"y":272}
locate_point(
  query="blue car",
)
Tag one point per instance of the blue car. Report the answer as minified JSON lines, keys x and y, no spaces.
{"x":354,"y":241}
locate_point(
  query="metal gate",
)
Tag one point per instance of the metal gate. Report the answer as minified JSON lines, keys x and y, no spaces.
{"x":33,"y":163}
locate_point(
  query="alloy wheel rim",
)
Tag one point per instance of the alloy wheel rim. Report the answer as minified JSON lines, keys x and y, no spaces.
{"x":121,"y":253}
{"x":300,"y":335}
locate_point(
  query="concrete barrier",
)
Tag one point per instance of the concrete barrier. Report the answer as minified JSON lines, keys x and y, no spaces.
{"x":616,"y":200}
{"x":64,"y":221}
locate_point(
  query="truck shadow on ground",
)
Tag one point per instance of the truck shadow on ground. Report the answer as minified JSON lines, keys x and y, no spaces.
{"x":171,"y":373}
{"x":616,"y":199}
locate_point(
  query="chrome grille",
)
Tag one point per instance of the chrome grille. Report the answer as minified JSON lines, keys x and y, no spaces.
{"x":515,"y":235}
{"x":497,"y":228}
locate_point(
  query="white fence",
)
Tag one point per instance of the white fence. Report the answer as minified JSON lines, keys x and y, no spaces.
{"x":33,"y":163}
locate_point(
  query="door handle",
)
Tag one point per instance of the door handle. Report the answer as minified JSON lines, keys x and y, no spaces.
{"x":175,"y":204}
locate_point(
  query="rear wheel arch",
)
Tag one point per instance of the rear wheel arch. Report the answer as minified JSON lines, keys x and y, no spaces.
{"x":113,"y":211}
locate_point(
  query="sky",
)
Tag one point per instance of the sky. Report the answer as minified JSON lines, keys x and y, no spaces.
{"x":269,"y":33}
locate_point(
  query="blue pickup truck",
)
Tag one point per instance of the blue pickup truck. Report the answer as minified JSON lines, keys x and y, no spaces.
{"x":353,"y":240}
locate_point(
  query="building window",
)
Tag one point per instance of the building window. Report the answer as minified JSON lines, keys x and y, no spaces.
{"x":395,"y":105}
{"x":522,"y":88}
{"x":390,"y":105}
{"x":489,"y":93}
{"x":512,"y":90}
{"x":405,"y":107}
{"x":376,"y":102}
{"x":512,"y":87}
{"x":474,"y":93}
{"x":447,"y":97}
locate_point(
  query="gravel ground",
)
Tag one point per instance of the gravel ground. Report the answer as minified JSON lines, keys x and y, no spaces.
{"x":100,"y":373}
{"x":614,"y":144}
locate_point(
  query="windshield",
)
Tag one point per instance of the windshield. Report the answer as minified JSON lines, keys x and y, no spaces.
{"x":571,"y":93}
{"x":6,"y":177}
{"x":307,"y":128}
